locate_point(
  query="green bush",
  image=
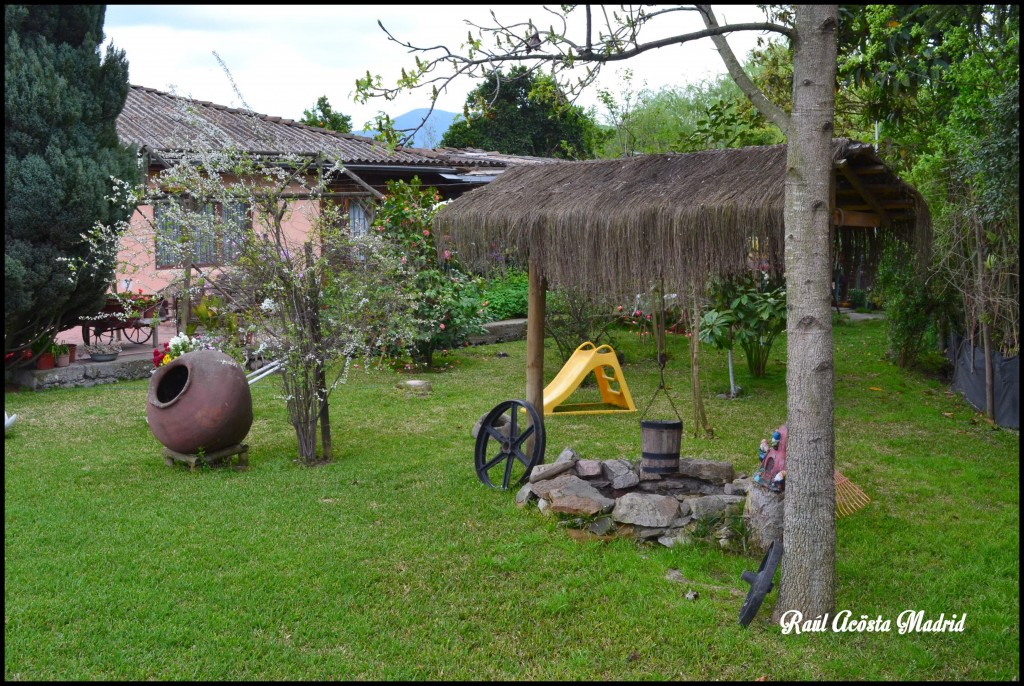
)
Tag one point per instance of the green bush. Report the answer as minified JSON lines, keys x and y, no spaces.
{"x":573,"y":317}
{"x":506,"y":296}
{"x":909,"y":304}
{"x":858,"y":298}
{"x":749,"y":312}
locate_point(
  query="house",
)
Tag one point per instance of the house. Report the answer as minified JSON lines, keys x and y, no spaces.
{"x":165,"y":127}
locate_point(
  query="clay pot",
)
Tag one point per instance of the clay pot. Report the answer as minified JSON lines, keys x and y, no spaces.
{"x":199,"y":401}
{"x":45,"y":361}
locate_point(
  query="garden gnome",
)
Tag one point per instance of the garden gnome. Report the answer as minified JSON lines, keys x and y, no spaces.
{"x":772,"y":472}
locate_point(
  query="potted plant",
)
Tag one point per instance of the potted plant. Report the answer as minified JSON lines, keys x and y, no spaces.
{"x":44,"y":359}
{"x":103,"y":352}
{"x":61,"y":354}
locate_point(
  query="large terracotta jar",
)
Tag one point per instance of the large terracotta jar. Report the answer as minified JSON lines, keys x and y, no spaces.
{"x":199,"y":401}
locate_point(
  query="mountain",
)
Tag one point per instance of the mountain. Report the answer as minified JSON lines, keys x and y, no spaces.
{"x":430,"y":135}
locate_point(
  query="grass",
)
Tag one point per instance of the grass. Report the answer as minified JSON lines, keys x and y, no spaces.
{"x":395,"y":563}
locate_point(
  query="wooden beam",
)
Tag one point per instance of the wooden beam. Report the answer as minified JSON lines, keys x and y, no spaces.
{"x":352,"y":175}
{"x":872,"y":169}
{"x":877,"y":190}
{"x":868,"y":196}
{"x":844,"y":217}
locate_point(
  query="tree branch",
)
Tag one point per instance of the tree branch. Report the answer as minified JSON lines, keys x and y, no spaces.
{"x":524,"y":42}
{"x":770,"y":110}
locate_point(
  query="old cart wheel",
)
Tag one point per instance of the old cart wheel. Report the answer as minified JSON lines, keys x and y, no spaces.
{"x":761,"y":582}
{"x":101,"y":335}
{"x":501,"y":450}
{"x":138,"y":334}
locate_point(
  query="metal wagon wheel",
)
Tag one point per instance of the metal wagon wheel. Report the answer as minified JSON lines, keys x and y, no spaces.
{"x":138,"y":333}
{"x":761,"y":582}
{"x":500,"y":450}
{"x":102,"y":335}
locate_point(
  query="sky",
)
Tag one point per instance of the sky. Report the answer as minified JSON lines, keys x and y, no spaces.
{"x":284,"y":57}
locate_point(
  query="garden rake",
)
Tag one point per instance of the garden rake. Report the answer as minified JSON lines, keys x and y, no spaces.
{"x":849,"y":498}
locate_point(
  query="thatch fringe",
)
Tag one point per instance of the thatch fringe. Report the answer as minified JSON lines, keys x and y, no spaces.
{"x":619,"y":226}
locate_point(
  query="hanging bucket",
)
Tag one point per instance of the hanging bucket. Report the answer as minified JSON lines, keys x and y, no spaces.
{"x":659,"y":440}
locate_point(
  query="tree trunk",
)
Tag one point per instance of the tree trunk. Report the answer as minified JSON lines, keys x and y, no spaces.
{"x":808,"y":565}
{"x":700,"y":418}
{"x":312,"y":302}
{"x":185,"y":313}
{"x":732,"y":378}
{"x":986,"y":337}
{"x":764,"y":515}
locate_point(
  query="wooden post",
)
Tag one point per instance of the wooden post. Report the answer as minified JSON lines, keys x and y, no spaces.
{"x":535,"y":339}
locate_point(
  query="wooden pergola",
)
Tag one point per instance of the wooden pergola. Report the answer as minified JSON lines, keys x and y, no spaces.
{"x":619,"y":226}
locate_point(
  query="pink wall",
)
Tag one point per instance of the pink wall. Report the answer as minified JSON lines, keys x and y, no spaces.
{"x":137,"y":253}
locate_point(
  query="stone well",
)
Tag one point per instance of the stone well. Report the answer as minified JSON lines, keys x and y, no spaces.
{"x":617,"y":498}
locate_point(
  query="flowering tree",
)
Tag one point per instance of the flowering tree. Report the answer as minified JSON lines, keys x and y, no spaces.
{"x":312,"y":304}
{"x":448,"y":301}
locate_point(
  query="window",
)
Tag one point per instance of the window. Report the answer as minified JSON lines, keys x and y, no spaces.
{"x":217,"y":231}
{"x":360,"y":217}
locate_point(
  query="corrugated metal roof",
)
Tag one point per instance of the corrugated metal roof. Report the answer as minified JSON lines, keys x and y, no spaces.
{"x":473,"y":156}
{"x":165,"y":122}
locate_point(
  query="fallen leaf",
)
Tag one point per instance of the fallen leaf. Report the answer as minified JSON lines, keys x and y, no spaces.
{"x":947,"y":414}
{"x":874,"y":388}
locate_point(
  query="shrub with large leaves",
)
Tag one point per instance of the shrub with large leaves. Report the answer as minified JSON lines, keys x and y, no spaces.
{"x":749,"y":312}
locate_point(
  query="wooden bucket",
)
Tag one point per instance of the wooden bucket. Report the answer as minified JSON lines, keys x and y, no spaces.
{"x":659,"y":440}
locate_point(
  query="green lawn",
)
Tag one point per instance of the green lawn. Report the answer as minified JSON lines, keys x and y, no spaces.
{"x":394,"y":562}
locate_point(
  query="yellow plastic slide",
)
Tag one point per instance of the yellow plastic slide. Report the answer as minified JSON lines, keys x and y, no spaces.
{"x":584,"y":360}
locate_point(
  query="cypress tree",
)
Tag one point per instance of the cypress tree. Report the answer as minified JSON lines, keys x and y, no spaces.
{"x":61,"y":102}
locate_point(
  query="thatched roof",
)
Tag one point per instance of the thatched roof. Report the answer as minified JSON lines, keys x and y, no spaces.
{"x":616,"y":226}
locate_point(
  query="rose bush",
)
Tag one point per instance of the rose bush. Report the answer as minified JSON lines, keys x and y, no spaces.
{"x":449,"y":302}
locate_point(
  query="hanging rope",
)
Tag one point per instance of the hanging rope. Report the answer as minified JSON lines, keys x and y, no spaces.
{"x":662,"y":358}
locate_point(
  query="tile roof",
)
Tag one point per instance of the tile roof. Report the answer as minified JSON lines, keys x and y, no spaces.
{"x":161,"y":122}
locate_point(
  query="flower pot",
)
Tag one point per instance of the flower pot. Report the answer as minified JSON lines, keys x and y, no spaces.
{"x":62,"y":360}
{"x":72,"y":352}
{"x":103,"y":357}
{"x":45,"y":361}
{"x":199,"y":401}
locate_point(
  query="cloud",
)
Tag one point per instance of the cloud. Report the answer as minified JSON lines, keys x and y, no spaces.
{"x":283,"y":57}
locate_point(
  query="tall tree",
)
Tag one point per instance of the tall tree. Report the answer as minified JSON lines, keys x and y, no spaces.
{"x":324,"y":116}
{"x":523,"y":113}
{"x":808,"y":572}
{"x":61,"y":102}
{"x":943,"y":84}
